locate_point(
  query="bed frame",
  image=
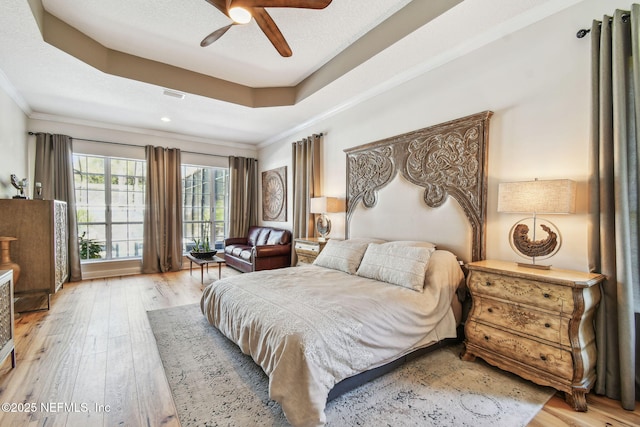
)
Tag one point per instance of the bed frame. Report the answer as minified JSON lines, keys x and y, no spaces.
{"x":448,"y":160}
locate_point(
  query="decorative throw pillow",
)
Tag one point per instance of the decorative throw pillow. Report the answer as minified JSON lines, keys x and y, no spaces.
{"x":396,"y":264}
{"x":343,"y":255}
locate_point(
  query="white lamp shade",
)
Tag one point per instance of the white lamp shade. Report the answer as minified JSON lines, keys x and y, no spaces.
{"x":322,"y":205}
{"x":556,"y":196}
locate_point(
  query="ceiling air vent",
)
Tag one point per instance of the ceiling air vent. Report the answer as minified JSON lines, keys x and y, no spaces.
{"x":173,"y":94}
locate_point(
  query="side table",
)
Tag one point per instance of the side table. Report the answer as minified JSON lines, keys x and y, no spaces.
{"x":206,"y":261}
{"x":308,"y":248}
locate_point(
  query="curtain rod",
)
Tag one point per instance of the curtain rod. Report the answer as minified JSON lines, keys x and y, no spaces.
{"x":584,"y":31}
{"x":134,"y":145}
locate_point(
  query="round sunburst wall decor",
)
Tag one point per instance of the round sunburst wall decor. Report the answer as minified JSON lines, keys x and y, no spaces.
{"x":274,"y":195}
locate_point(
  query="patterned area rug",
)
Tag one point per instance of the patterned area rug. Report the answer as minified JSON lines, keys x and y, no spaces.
{"x":214,"y":384}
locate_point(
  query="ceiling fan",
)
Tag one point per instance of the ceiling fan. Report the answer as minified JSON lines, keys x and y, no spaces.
{"x":241,"y":12}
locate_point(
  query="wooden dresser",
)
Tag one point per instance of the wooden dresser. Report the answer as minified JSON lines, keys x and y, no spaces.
{"x":41,"y":249}
{"x":535,"y":323}
{"x":308,"y":248}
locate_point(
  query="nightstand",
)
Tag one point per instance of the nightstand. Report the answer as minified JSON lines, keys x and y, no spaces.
{"x":307,"y":249}
{"x":537,"y":324}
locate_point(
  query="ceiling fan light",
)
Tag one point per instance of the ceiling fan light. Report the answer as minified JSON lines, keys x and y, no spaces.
{"x":239,"y":15}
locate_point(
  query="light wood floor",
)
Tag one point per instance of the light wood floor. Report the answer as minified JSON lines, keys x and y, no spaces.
{"x":92,"y":359}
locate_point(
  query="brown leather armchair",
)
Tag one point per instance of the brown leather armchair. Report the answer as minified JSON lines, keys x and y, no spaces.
{"x":264,"y":248}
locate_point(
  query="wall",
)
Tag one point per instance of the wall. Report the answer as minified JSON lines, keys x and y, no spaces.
{"x":535,"y":80}
{"x":86,"y":133}
{"x":13,"y":144}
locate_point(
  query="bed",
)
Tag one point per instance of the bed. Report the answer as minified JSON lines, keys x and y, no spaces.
{"x":367,"y":301}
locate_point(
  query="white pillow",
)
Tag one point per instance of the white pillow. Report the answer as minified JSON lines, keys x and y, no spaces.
{"x":396,"y":264}
{"x":343,"y":255}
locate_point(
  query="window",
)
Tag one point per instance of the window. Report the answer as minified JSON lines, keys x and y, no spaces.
{"x":205,"y":200}
{"x":110,"y":206}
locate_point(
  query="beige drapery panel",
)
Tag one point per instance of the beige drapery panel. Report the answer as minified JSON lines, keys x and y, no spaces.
{"x":54,"y":169}
{"x":162,"y":239}
{"x":243,"y":195}
{"x":305,"y":158}
{"x":613,"y":200}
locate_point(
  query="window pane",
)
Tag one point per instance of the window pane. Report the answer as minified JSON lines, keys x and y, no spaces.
{"x":218,"y":236}
{"x":95,"y":165}
{"x":204,"y":193}
{"x":89,"y":248}
{"x":118,"y":167}
{"x":94,"y":214}
{"x":127,"y":240}
{"x":110,"y":192}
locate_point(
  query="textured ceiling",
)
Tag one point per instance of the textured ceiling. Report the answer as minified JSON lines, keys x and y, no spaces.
{"x":51,"y":84}
{"x":170,"y":31}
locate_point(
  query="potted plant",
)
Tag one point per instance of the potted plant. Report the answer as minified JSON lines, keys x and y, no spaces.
{"x":203,"y":250}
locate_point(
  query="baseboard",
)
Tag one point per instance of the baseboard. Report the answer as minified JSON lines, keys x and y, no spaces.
{"x":104,"y":269}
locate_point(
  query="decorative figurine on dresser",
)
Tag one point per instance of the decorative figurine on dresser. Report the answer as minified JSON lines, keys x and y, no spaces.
{"x":40,"y":250}
{"x":535,"y":323}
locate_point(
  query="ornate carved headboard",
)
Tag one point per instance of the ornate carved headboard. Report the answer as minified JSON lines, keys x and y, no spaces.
{"x":449,"y":159}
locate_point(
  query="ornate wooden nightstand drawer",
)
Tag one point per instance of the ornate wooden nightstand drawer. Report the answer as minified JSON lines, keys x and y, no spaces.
{"x":307,"y":247}
{"x":532,"y":353}
{"x":534,"y":292}
{"x":547,"y":326}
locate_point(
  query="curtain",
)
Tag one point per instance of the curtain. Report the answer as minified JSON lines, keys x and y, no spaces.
{"x":162,"y":239}
{"x":243,"y":195}
{"x":613,"y":201}
{"x":54,"y":170}
{"x":306,"y":184}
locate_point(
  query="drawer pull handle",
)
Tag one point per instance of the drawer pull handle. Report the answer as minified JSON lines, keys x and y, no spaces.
{"x":490,"y":310}
{"x":488,"y":283}
{"x":547,"y":296}
{"x":547,"y":325}
{"x":543,"y":357}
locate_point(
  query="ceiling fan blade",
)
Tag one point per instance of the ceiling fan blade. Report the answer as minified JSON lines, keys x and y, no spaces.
{"x":302,"y":4}
{"x":271,"y":30}
{"x":215,"y":35}
{"x":221,"y":5}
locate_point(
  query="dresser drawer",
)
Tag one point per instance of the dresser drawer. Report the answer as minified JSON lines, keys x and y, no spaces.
{"x":532,"y":353}
{"x":523,"y":319}
{"x":307,"y":247}
{"x":531,"y":292}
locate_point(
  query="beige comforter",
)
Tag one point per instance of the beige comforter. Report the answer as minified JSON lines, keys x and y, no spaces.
{"x":310,"y":327}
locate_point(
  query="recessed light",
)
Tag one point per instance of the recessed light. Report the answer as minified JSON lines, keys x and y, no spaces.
{"x":165,"y":119}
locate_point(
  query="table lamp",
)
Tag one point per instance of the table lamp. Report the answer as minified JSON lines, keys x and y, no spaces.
{"x":322,"y":205}
{"x":556,"y":196}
